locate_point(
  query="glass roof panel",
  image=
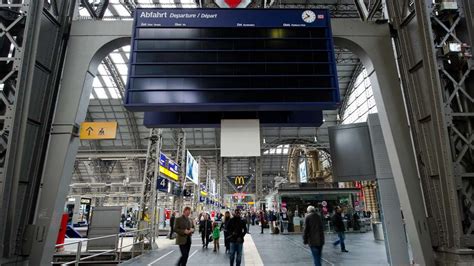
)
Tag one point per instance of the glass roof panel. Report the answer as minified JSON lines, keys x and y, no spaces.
{"x":100,"y":92}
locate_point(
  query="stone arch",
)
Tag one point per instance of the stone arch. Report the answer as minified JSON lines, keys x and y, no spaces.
{"x":91,"y":41}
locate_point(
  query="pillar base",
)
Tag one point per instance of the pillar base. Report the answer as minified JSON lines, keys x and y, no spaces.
{"x":454,"y":257}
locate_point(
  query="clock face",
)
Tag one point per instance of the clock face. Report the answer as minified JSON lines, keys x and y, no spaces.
{"x":308,"y":16}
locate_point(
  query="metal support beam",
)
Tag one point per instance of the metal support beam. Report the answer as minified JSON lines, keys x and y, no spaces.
{"x":258,"y":178}
{"x":147,"y":212}
{"x":439,"y":97}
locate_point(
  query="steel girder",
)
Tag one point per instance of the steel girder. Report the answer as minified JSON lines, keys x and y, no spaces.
{"x":32,"y":47}
{"x":148,"y":201}
{"x":439,"y":98}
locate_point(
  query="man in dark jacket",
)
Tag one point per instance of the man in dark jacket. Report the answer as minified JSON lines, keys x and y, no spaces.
{"x":205,"y":228}
{"x":172,"y":218}
{"x":237,"y":230}
{"x":313,"y":235}
{"x":184,"y":228}
{"x":339,"y":228}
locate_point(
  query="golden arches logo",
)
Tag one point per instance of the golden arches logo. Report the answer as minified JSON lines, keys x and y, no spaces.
{"x":239,"y":180}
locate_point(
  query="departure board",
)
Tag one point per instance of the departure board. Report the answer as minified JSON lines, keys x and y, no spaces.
{"x":208,"y":60}
{"x":213,"y":119}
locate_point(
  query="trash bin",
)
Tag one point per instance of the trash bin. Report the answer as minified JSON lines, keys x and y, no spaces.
{"x":377,"y":227}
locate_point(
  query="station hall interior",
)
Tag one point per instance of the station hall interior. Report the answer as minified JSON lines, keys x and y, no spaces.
{"x":118,"y":115}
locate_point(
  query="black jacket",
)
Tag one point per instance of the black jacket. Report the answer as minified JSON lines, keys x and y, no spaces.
{"x":237,"y":229}
{"x":205,"y":227}
{"x":172,"y":221}
{"x":338,"y":223}
{"x":313,"y":231}
{"x":224,"y":225}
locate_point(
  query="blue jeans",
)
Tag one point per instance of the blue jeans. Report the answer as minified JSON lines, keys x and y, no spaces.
{"x":235,"y":247}
{"x":340,"y":240}
{"x":316,"y":251}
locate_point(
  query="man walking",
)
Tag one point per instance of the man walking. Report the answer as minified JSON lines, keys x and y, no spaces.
{"x":237,"y":230}
{"x":313,"y":235}
{"x":339,"y":228}
{"x":172,"y":219}
{"x":184,"y":228}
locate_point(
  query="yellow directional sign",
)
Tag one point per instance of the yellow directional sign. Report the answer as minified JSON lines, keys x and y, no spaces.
{"x":98,"y":130}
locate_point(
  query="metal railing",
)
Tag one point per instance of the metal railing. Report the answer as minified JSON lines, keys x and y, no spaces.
{"x":118,"y":250}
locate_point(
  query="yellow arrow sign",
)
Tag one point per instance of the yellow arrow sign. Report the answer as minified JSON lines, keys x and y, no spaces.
{"x":98,"y":130}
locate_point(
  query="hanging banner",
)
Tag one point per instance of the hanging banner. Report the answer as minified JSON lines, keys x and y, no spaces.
{"x":192,"y":168}
{"x":303,"y":173}
{"x":239,"y":182}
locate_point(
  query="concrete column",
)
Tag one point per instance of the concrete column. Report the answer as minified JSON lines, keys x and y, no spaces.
{"x":395,"y":237}
{"x":376,"y":53}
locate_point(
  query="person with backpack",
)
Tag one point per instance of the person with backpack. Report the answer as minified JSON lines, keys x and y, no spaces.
{"x":340,"y":229}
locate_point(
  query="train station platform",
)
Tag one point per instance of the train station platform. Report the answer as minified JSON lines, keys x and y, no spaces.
{"x":268,"y":249}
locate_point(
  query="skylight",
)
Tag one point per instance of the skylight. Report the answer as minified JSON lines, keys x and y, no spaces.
{"x":279,"y":150}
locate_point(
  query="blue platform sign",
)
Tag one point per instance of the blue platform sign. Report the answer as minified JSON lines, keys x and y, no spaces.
{"x":231,"y":60}
{"x":162,"y":184}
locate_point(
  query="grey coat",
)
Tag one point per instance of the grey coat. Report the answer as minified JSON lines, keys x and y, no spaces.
{"x":313,"y":231}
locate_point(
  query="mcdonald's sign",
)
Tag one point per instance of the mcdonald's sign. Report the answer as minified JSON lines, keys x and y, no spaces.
{"x":239,"y":182}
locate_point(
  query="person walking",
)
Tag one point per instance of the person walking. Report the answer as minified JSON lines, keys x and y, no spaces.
{"x":205,"y":228}
{"x":184,"y":228}
{"x":313,"y":234}
{"x":216,"y":234}
{"x":248,"y":220}
{"x":262,"y":221}
{"x":172,"y":219}
{"x":340,"y":229}
{"x":224,"y":226}
{"x":237,"y":231}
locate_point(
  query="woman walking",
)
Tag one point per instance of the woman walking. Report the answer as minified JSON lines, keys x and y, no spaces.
{"x":226,"y":232}
{"x":205,"y":228}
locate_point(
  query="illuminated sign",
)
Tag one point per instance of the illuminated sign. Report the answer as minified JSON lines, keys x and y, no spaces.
{"x":85,"y":201}
{"x":168,"y":168}
{"x":98,"y":130}
{"x":239,"y":182}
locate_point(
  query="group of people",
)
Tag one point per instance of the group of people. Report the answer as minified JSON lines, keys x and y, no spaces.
{"x":234,"y":229}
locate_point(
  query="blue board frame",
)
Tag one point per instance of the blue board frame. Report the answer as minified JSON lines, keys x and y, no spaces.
{"x":145,"y":94}
{"x":213,"y":119}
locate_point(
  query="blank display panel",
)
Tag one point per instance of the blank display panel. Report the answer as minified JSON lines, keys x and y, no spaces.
{"x":351,"y":153}
{"x":231,"y":60}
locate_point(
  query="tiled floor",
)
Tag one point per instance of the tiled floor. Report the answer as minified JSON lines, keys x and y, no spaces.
{"x":273,"y":250}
